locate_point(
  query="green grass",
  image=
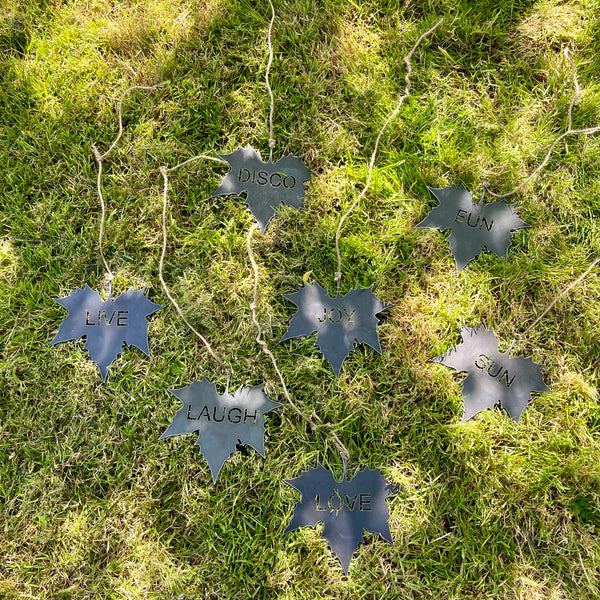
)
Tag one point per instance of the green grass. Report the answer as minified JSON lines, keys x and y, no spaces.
{"x":92,"y":505}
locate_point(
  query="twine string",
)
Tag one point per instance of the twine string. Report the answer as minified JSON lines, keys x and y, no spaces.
{"x":569,"y":131}
{"x":100,"y":158}
{"x":313,"y":420}
{"x":268,"y":72}
{"x":405,"y":95}
{"x":520,"y":336}
{"x":165,"y":171}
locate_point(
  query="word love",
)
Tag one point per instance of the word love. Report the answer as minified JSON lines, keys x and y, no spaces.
{"x":346,"y":508}
{"x":336,"y":502}
{"x":121,"y":316}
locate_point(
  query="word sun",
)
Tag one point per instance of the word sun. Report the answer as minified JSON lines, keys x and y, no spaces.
{"x":487,"y":363}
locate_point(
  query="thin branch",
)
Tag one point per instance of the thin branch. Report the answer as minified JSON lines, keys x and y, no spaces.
{"x":100,"y":158}
{"x":561,"y":295}
{"x":269,"y":64}
{"x":165,"y":171}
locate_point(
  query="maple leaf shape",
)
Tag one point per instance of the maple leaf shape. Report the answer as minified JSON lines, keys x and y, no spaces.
{"x":267,"y":185}
{"x":221,"y":421}
{"x":493,"y":378}
{"x":346,"y":508}
{"x":106,"y":325}
{"x":339,"y":322}
{"x":474,"y":227}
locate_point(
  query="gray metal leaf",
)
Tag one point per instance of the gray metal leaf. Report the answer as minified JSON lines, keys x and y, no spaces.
{"x":474,"y":227}
{"x":493,"y":378}
{"x":346,"y":508}
{"x":266,"y":185}
{"x":338,"y":321}
{"x":221,"y":420}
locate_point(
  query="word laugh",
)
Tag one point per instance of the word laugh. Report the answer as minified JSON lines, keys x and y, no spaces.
{"x":206,"y":413}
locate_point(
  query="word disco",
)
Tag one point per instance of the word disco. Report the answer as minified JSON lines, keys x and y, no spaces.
{"x":263,"y":178}
{"x":218,"y":415}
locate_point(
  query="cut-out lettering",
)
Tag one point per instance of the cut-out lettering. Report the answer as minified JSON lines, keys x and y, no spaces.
{"x":480,"y":222}
{"x":222,"y":421}
{"x":492,"y":375}
{"x":104,"y":319}
{"x":335,"y":315}
{"x":487,"y":363}
{"x":264,"y":178}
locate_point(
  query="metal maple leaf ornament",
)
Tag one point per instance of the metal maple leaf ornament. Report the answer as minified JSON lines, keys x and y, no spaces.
{"x":221,"y":420}
{"x":267,"y":185}
{"x":346,"y":508}
{"x":339,"y":322}
{"x":106,"y":325}
{"x":474,"y":227}
{"x":494,"y":379}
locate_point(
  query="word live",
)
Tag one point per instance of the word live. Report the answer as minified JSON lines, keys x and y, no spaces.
{"x":120,"y":314}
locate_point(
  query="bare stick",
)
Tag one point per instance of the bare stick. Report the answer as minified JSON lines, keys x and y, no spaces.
{"x":100,"y":159}
{"x":165,"y":171}
{"x":314,"y":422}
{"x":570,"y":131}
{"x":407,"y":88}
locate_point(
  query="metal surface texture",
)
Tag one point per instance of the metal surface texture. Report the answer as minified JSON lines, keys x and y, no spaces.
{"x":267,"y":185}
{"x":474,"y":227}
{"x":221,"y":420}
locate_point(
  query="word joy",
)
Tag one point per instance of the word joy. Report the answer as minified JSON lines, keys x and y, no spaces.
{"x":336,"y":502}
{"x":121,"y":316}
{"x":480,"y":223}
{"x":485,"y":362}
{"x":335,"y":315}
{"x":206,"y":413}
{"x":263,"y":178}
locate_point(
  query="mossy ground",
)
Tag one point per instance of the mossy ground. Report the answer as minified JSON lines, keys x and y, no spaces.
{"x":92,"y":505}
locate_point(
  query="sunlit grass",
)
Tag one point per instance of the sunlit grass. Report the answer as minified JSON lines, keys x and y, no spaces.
{"x":92,"y":504}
